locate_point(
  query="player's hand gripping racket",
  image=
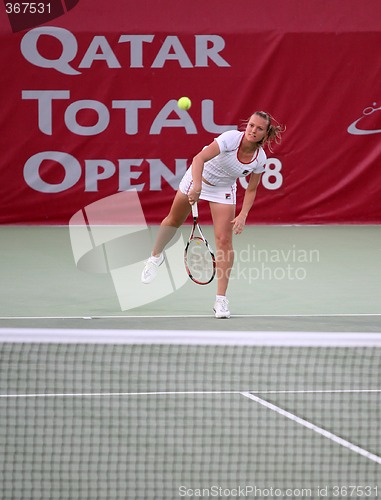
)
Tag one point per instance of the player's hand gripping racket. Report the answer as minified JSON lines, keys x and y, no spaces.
{"x":199,"y":259}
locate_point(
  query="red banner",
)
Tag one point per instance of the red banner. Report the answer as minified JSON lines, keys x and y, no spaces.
{"x":89,"y":104}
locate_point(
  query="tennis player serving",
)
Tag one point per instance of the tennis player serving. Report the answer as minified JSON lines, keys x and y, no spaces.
{"x":212,"y":177}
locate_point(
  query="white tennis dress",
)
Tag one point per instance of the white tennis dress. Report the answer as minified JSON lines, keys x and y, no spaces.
{"x":223,"y":170}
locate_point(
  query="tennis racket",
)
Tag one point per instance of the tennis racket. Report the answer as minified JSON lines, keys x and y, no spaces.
{"x":199,"y":259}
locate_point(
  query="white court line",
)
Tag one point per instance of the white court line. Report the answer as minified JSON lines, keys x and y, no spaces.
{"x":313,"y":427}
{"x":180,"y":316}
{"x":317,"y":391}
{"x":329,"y":435}
{"x":190,"y":393}
{"x":116,"y":394}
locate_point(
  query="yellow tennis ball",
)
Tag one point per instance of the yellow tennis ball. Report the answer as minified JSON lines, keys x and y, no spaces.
{"x":184,"y":103}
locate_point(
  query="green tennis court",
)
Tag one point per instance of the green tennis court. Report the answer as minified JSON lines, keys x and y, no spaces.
{"x":164,"y":401}
{"x":285,"y":277}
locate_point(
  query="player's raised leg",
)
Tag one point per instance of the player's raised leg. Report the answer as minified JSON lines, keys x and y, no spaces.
{"x":177,"y":215}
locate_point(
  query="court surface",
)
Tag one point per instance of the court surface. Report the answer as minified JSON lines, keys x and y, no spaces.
{"x":163,"y":401}
{"x":285,"y":278}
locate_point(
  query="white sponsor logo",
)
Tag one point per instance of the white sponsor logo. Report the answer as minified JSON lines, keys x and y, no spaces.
{"x":207,"y":49}
{"x":355,"y":128}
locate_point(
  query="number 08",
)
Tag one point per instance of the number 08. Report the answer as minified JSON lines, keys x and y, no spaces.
{"x":272,"y":177}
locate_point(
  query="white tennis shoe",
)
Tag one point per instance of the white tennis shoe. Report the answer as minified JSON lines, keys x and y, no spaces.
{"x":221,"y":308}
{"x":151,"y":268}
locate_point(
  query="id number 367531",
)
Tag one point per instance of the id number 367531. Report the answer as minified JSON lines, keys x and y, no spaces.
{"x":27,"y":8}
{"x":354,"y":491}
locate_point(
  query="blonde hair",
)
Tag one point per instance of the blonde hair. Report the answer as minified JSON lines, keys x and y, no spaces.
{"x":274,"y":129}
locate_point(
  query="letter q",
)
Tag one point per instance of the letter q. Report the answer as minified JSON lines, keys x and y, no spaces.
{"x":69,"y":49}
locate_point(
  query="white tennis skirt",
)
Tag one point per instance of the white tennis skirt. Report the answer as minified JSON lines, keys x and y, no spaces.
{"x":218,"y":194}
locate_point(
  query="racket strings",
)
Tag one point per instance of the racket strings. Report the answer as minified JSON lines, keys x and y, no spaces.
{"x":200,"y":261}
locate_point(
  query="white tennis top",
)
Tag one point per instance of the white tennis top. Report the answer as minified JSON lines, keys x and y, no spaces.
{"x":224,"y":169}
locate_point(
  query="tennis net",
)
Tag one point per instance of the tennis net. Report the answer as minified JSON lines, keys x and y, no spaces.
{"x":91,"y":414}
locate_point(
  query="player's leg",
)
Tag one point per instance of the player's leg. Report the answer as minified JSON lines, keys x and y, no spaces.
{"x":222,"y":216}
{"x":177,"y":215}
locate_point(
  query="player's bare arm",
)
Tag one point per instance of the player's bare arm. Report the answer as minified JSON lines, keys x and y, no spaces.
{"x":248,"y":201}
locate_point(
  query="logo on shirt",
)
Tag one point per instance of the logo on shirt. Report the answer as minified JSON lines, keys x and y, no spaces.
{"x":228,"y":196}
{"x":245,"y":172}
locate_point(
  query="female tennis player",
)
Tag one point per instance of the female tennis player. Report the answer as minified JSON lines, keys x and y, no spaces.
{"x":212,"y":177}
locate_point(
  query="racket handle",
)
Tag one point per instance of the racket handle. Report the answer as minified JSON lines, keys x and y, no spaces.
{"x":195,"y":210}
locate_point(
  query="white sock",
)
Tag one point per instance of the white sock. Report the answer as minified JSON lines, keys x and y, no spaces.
{"x":220,"y":297}
{"x":157,"y":258}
